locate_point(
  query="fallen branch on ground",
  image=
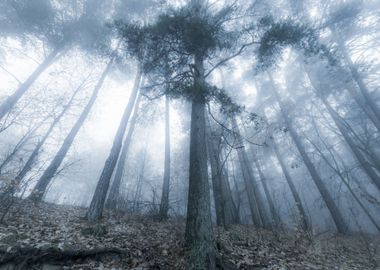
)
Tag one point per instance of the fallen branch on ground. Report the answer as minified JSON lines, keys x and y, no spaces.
{"x":31,"y":255}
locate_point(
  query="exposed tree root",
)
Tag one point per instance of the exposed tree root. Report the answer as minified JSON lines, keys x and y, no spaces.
{"x":24,"y":257}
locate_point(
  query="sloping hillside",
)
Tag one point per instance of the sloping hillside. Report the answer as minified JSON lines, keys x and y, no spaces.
{"x":56,"y":237}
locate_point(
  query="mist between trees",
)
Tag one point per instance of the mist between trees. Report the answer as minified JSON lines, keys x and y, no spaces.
{"x":219,"y":112}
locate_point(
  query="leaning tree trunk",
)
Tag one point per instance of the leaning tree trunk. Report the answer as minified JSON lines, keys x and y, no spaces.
{"x":366,"y":109}
{"x":20,"y":144}
{"x":96,"y":207}
{"x":372,"y":157}
{"x":375,"y":178}
{"x":357,"y":153}
{"x":10,"y":189}
{"x":42,"y":184}
{"x":330,"y":203}
{"x":10,"y":102}
{"x":359,"y":99}
{"x":255,"y":199}
{"x":164,"y":205}
{"x":29,"y":163}
{"x":32,"y":158}
{"x":318,"y":88}
{"x":358,"y":78}
{"x":113,"y":195}
{"x":301,"y":210}
{"x":199,"y":234}
{"x":15,"y":150}
{"x":336,"y":169}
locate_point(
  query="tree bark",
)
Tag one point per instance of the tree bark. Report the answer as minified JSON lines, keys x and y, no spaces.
{"x":164,"y":205}
{"x":199,"y":234}
{"x":10,"y":102}
{"x":96,"y":207}
{"x":256,"y":201}
{"x":40,"y":188}
{"x":330,"y":203}
{"x":113,"y":195}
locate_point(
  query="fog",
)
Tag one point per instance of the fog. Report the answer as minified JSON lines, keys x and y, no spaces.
{"x":264,"y":113}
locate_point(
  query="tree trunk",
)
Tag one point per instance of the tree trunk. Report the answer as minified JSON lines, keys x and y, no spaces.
{"x":113,"y":195}
{"x":368,"y":152}
{"x":336,"y":169}
{"x":216,"y":173}
{"x":199,"y":234}
{"x":366,"y":109}
{"x":345,"y":132}
{"x":14,"y":151}
{"x":29,"y":163}
{"x":330,"y":203}
{"x":164,"y":205}
{"x":256,"y":201}
{"x":272,"y":209}
{"x":20,"y":144}
{"x":357,"y":153}
{"x":139,"y":183}
{"x":96,"y":207}
{"x":231,"y":213}
{"x":40,"y":188}
{"x":273,"y":212}
{"x":358,"y":79}
{"x":237,"y":193}
{"x":226,"y":211}
{"x":301,"y":210}
{"x":9,"y":103}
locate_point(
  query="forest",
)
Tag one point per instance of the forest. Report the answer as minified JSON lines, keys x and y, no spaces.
{"x":189,"y":134}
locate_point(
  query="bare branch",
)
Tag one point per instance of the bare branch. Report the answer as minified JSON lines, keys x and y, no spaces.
{"x":225,"y":60}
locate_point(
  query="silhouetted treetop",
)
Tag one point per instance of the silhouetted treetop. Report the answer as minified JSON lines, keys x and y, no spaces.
{"x":278,"y":35}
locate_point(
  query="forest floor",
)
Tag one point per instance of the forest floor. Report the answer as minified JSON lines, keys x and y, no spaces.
{"x":52,"y":237}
